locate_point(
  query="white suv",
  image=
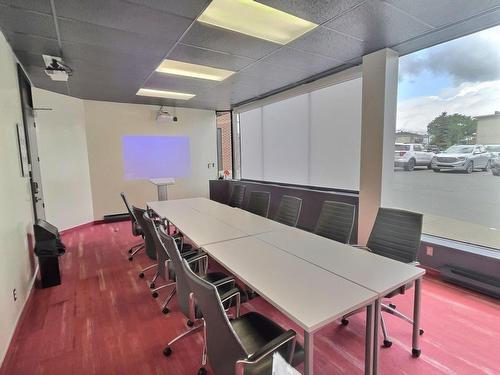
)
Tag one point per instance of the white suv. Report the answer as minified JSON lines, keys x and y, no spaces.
{"x":410,"y":155}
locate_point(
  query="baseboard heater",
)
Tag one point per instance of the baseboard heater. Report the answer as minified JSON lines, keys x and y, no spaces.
{"x":473,"y":280}
{"x":115,"y":217}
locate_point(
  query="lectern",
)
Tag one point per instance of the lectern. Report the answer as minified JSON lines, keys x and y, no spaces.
{"x":162,"y":186}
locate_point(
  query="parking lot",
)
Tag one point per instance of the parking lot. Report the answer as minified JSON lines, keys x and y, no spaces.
{"x":471,"y":197}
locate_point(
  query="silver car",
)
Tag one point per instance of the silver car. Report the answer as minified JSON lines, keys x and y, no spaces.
{"x":464,"y":158}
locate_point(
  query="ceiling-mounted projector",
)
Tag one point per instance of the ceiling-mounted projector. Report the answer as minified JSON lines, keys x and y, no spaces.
{"x":164,"y":116}
{"x":56,"y":69}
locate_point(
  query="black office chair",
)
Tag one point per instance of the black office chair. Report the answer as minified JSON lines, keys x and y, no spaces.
{"x":245,"y":344}
{"x":258,"y":203}
{"x":237,"y":195}
{"x":225,"y":284}
{"x":396,"y":235}
{"x":336,"y":221}
{"x":289,"y":210}
{"x":148,"y":242}
{"x":136,"y":230}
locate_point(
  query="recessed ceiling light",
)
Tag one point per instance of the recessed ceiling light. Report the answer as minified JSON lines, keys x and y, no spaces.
{"x":255,"y":19}
{"x":193,"y":70}
{"x":164,"y":94}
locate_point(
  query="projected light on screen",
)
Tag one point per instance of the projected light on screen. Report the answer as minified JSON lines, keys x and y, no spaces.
{"x":146,"y":157}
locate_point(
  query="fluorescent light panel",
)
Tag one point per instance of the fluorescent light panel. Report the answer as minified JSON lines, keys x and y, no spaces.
{"x":193,"y":70}
{"x":255,"y":19}
{"x":164,"y":94}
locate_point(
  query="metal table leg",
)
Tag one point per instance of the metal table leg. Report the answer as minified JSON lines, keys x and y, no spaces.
{"x":416,"y":318}
{"x":369,"y":339}
{"x":309,"y":353}
{"x":376,"y":324}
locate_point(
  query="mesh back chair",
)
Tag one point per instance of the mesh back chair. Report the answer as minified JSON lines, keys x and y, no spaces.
{"x":258,"y":203}
{"x":396,"y":235}
{"x":148,"y":240}
{"x":237,"y":195}
{"x":224,"y":284}
{"x":245,"y":344}
{"x":289,"y":210}
{"x":336,"y":221}
{"x":136,"y":229}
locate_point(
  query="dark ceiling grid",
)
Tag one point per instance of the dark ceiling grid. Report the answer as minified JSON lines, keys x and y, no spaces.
{"x":114,"y":44}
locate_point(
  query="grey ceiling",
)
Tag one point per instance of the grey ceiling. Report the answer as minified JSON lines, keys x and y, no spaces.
{"x":114,"y":46}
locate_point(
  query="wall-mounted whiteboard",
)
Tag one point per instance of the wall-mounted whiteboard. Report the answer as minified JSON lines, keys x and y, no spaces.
{"x":311,"y":139}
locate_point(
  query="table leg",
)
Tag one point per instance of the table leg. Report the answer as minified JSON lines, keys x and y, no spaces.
{"x":369,"y":339}
{"x":416,"y":318}
{"x":309,"y":353}
{"x":376,"y":324}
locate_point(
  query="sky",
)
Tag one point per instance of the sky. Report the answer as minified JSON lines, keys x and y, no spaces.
{"x":459,"y":76}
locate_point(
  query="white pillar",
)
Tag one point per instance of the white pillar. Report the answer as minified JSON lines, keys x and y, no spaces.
{"x":378,"y":126}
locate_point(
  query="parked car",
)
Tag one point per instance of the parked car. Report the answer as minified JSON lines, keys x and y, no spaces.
{"x":495,"y":166}
{"x":433,"y":148}
{"x":410,"y":155}
{"x":464,"y":158}
{"x":494,"y":150}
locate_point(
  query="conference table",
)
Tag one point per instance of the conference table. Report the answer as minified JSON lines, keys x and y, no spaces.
{"x":274,"y":260}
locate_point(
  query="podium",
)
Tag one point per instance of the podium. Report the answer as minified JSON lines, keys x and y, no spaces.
{"x":162,"y":186}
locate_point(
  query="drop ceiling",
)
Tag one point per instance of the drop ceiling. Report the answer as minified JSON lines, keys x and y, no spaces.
{"x":114,"y":46}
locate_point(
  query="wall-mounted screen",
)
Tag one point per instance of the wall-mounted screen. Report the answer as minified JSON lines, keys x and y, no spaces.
{"x":146,"y":157}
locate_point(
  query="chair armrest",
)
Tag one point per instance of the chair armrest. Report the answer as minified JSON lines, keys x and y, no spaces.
{"x":224,"y":281}
{"x":361,"y":247}
{"x":285,"y":338}
{"x":190,"y":253}
{"x":230,"y":294}
{"x":199,"y":258}
{"x":414,"y":263}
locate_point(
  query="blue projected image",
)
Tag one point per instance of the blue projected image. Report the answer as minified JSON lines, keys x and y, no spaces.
{"x":146,"y":157}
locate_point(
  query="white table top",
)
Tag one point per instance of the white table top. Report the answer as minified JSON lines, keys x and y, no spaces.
{"x":242,"y":220}
{"x":200,"y":228}
{"x":377,"y":273}
{"x":307,"y":294}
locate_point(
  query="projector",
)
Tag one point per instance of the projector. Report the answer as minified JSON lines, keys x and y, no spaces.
{"x":56,"y":69}
{"x":164,"y":116}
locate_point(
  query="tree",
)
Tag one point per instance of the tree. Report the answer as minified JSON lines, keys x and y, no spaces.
{"x":447,"y":130}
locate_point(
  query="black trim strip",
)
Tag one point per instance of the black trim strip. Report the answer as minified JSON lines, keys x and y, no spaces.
{"x":308,"y":187}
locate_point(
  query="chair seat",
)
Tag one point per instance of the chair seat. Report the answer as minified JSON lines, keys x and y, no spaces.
{"x":255,"y":330}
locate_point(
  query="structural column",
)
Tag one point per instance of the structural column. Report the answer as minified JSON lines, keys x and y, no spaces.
{"x":378,"y":126}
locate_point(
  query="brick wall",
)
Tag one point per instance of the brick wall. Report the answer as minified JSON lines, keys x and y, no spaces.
{"x":224,"y":123}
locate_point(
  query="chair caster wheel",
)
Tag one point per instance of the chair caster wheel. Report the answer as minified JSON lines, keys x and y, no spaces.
{"x":344,"y":322}
{"x":392,"y":306}
{"x":130,"y":251}
{"x":141,"y":275}
{"x":415,"y":353}
{"x":387,"y":343}
{"x":421,"y":332}
{"x":190,"y":323}
{"x":167,"y":351}
{"x":202,"y":371}
{"x":152,"y":285}
{"x":130,"y":259}
{"x":154,"y":294}
{"x":165,"y":310}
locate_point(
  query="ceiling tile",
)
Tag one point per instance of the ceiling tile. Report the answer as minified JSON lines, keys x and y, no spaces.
{"x":307,"y":62}
{"x":444,"y":12}
{"x":329,"y":43}
{"x":228,"y":41}
{"x":22,"y":21}
{"x":178,"y":83}
{"x":317,"y":11}
{"x":32,"y":44}
{"x":214,"y":59}
{"x":125,"y":16}
{"x":42,"y":6}
{"x":276,"y":75}
{"x":186,"y":8}
{"x":378,"y":24}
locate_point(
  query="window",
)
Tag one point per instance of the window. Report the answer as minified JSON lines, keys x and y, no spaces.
{"x":224,"y":144}
{"x":310,"y":139}
{"x":448,"y":102}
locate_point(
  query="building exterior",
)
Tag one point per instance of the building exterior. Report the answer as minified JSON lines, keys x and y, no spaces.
{"x":408,"y":137}
{"x":488,"y":129}
{"x":224,"y":145}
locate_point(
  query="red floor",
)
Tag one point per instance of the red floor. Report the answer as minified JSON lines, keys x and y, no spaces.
{"x":102,"y":320}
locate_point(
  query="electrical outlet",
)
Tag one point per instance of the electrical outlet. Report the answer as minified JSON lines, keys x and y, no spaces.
{"x":14,"y":294}
{"x":429,"y":250}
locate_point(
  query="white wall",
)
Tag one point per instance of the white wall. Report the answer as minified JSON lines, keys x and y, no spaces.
{"x":107,"y":122}
{"x":62,"y":147}
{"x":16,"y":215}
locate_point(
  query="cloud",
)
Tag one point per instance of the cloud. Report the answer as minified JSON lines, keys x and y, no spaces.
{"x":471,"y":99}
{"x":473,"y":58}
